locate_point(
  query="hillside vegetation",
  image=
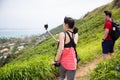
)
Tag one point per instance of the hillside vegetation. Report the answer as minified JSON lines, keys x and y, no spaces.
{"x":34,"y":62}
{"x":110,"y":69}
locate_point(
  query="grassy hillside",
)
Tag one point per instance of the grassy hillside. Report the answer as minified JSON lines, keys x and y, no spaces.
{"x":110,"y":69}
{"x":57,"y":30}
{"x":34,"y":62}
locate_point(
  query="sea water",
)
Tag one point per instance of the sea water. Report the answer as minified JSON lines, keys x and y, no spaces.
{"x":18,"y":33}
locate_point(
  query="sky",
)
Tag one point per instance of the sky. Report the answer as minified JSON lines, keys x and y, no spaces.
{"x":33,"y":14}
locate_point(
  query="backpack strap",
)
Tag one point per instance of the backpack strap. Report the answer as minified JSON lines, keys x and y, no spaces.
{"x":71,"y":38}
{"x":64,"y":38}
{"x":72,"y":33}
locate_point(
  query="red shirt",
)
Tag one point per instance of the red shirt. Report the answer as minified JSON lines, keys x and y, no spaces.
{"x":108,"y":25}
{"x":68,"y":59}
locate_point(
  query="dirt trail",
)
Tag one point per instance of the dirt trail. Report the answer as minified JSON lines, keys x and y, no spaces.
{"x":83,"y":71}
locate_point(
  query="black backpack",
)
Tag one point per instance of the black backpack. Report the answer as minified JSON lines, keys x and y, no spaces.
{"x":115,"y":33}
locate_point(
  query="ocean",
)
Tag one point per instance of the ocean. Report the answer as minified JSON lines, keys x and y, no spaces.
{"x":18,"y":33}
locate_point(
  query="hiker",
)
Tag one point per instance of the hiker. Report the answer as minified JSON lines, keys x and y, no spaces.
{"x":66,"y":54}
{"x":107,"y":42}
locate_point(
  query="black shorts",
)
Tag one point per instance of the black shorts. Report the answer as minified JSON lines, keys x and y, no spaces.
{"x":108,"y":46}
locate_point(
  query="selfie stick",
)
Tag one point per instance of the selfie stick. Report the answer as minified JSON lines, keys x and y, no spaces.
{"x":46,"y":27}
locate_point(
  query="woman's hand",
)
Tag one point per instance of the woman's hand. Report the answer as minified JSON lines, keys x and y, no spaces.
{"x":57,"y":41}
{"x":53,"y":62}
{"x":103,"y":40}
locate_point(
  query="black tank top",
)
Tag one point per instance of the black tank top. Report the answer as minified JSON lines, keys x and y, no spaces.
{"x":71,"y":43}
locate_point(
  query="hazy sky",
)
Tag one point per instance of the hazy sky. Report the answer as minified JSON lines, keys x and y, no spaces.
{"x":33,"y":14}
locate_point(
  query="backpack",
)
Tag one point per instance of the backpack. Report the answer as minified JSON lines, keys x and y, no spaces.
{"x":115,"y":33}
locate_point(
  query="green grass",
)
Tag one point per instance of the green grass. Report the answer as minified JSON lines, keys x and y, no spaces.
{"x":33,"y":69}
{"x":109,"y":69}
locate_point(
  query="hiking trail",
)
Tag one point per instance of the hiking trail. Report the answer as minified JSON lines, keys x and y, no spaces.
{"x":83,"y":70}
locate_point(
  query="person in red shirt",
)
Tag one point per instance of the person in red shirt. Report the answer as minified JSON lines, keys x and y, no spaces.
{"x":107,"y":42}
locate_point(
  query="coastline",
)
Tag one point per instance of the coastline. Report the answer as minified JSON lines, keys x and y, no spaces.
{"x":19,"y":33}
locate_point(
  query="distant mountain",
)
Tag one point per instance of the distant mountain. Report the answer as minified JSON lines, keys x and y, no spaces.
{"x":57,"y":29}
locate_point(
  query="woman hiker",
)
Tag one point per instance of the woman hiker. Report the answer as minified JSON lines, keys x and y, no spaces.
{"x":66,"y":55}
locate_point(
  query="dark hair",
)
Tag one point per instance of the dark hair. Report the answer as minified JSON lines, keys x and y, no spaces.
{"x":108,"y":13}
{"x":71,"y":22}
{"x":75,"y":30}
